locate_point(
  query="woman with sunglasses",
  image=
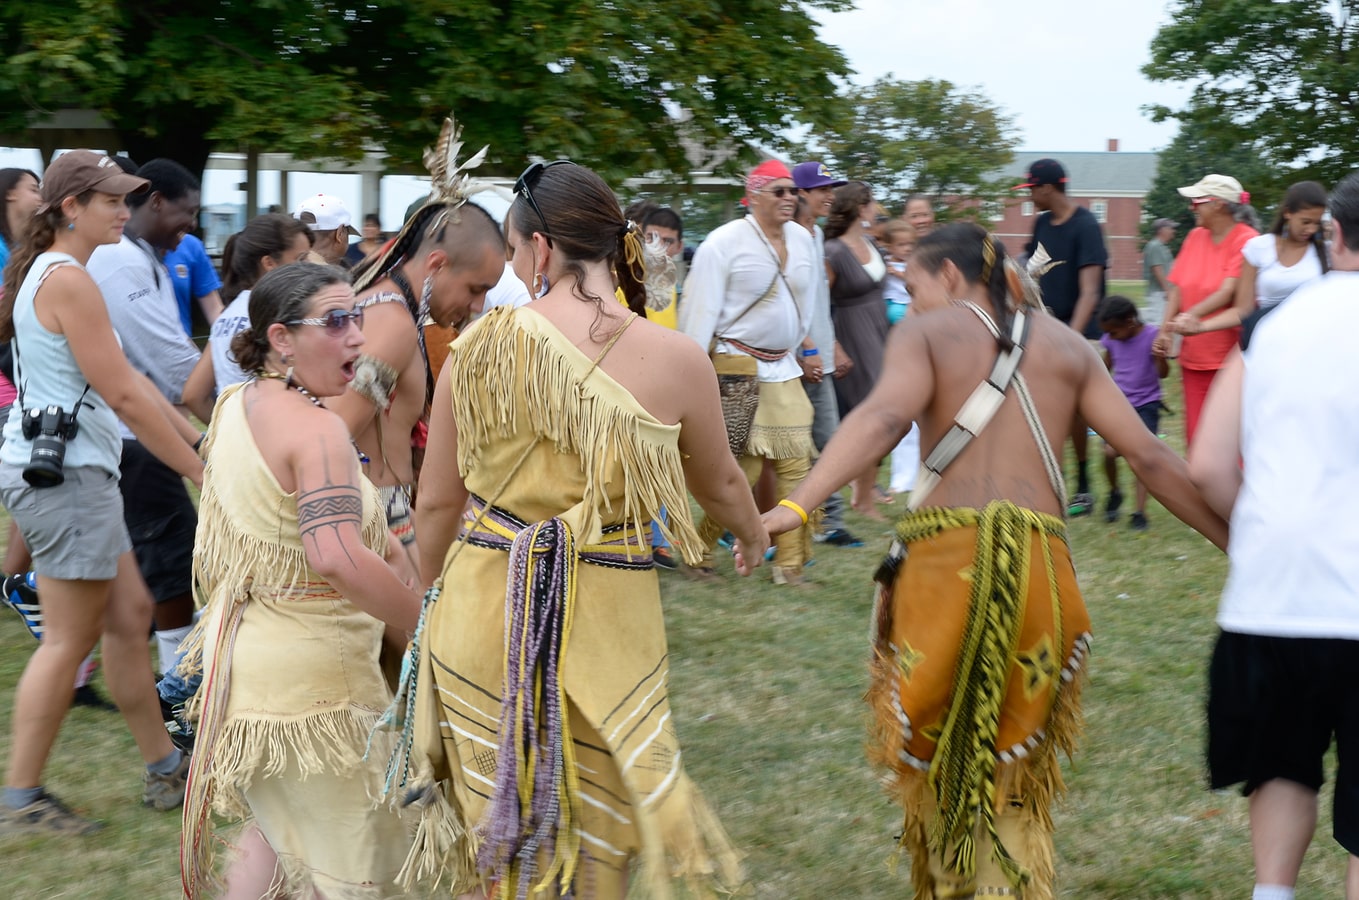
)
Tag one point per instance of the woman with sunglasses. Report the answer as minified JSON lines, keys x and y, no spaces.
{"x":1203,"y":281}
{"x":60,"y":484}
{"x":292,"y":549}
{"x":562,"y":436}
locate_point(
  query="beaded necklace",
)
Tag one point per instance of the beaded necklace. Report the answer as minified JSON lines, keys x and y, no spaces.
{"x":288,"y":382}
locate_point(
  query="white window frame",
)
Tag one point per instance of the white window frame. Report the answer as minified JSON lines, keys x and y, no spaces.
{"x":1026,"y":208}
{"x":1101,"y":210}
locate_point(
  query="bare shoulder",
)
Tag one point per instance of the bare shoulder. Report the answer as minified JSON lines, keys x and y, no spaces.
{"x":669,"y":347}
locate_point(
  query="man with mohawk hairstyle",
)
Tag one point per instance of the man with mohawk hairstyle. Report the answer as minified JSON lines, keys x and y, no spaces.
{"x":438,"y":268}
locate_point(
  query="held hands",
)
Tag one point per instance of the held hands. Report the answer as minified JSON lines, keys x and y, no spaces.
{"x":842,"y":362}
{"x":749,"y":556}
{"x":1186,"y":323}
{"x":811,"y":367}
{"x":780,"y":520}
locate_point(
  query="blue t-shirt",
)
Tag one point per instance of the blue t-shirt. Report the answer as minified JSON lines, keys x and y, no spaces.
{"x":193,"y":276}
{"x":1134,"y":367}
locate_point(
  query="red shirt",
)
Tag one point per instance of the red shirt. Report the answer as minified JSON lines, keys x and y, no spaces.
{"x":1199,"y":270}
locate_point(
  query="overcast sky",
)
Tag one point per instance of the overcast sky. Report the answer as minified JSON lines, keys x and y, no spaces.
{"x":1069,"y":71}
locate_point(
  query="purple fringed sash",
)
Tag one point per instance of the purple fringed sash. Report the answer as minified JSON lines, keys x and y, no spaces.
{"x":534,"y":735}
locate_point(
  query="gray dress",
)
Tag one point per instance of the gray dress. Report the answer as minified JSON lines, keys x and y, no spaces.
{"x":860,"y":316}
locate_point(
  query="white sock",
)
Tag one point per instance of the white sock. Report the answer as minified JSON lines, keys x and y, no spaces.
{"x":167,"y":643}
{"x":1272,"y":892}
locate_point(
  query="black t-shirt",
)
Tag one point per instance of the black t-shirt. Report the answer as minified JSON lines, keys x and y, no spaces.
{"x":1071,"y":246}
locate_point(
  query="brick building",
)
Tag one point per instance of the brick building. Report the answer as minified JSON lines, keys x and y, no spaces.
{"x":1111,"y":184}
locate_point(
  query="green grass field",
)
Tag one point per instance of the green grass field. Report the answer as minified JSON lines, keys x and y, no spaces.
{"x":767,"y":688}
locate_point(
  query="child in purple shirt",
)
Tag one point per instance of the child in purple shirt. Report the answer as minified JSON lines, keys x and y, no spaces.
{"x":1138,"y":372}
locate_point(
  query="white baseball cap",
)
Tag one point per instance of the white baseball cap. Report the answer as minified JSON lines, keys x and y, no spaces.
{"x":325,"y":212}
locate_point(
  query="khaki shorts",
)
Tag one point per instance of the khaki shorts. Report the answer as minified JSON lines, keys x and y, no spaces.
{"x":74,"y":530}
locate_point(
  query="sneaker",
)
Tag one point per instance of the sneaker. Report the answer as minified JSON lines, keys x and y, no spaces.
{"x":1111,"y":508}
{"x":87,"y":696}
{"x":47,"y":815}
{"x":166,"y":792}
{"x":838,"y":537}
{"x":21,"y":595}
{"x":1080,"y":505}
{"x":177,"y":725}
{"x":727,"y":541}
{"x":1138,"y":522}
{"x":661,"y":556}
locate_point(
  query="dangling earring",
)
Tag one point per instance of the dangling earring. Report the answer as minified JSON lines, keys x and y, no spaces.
{"x":426,"y":293}
{"x":1286,"y":235}
{"x":540,"y":284}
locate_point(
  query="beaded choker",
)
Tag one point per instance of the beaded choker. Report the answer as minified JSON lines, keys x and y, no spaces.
{"x":288,"y":382}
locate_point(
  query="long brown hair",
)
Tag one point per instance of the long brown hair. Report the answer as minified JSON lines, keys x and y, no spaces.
{"x":268,"y":235}
{"x":583,"y":221}
{"x":844,"y":212}
{"x":41,"y":234}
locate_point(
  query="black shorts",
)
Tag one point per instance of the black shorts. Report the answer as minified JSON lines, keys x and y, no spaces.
{"x":1274,"y":705}
{"x":1150,"y":414}
{"x":161,"y":521}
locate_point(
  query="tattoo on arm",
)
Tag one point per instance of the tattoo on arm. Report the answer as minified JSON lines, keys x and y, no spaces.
{"x":333,"y":507}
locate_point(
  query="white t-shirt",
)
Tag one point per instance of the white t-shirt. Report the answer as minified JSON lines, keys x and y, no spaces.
{"x":508,"y":291}
{"x":1294,"y":550}
{"x":140,"y":297}
{"x":1275,"y":282}
{"x":233,"y":320}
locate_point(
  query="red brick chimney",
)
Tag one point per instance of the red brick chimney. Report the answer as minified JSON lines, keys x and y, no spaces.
{"x":1113,"y":145}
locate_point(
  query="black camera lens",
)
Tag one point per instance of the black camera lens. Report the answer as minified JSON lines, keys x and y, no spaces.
{"x":48,"y":430}
{"x":45,"y":463}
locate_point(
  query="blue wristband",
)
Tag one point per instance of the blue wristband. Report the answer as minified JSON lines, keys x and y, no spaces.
{"x":811,"y":352}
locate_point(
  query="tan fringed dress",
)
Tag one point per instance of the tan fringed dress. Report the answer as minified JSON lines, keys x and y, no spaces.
{"x":565,"y":469}
{"x":291,"y":689}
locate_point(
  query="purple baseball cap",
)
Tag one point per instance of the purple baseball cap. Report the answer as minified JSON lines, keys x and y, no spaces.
{"x":814,"y":174}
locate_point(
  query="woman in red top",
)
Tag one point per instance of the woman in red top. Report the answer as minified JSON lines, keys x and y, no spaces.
{"x":1203,"y":281}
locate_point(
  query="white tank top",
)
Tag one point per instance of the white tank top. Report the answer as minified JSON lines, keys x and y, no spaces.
{"x":46,"y":374}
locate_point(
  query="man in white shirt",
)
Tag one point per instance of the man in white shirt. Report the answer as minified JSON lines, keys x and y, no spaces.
{"x":140,"y":297}
{"x":750,"y":294}
{"x":1275,"y":451}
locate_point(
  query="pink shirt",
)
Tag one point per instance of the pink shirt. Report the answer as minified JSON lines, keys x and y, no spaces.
{"x":1199,"y":270}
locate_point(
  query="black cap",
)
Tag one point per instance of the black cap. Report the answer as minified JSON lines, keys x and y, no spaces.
{"x":1043,"y":171}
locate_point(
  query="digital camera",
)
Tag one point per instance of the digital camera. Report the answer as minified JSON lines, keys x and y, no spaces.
{"x":49,"y":429}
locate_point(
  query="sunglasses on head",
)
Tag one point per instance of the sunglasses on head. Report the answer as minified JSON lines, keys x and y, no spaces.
{"x":781,"y":192}
{"x":524,"y":185}
{"x":335,"y":322}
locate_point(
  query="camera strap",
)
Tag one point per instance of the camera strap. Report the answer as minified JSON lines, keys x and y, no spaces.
{"x":75,"y":410}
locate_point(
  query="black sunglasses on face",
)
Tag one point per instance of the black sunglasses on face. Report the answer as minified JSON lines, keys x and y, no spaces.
{"x":335,"y":322}
{"x":526,"y":182}
{"x":781,"y":192}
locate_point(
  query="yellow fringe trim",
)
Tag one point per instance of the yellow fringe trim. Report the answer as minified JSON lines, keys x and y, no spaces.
{"x":1037,"y":779}
{"x":513,"y":370}
{"x":329,"y":741}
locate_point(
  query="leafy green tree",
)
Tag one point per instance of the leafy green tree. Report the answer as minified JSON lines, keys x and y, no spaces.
{"x":598,"y":80}
{"x":930,"y":137}
{"x":1195,"y":152}
{"x":1282,"y":74}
